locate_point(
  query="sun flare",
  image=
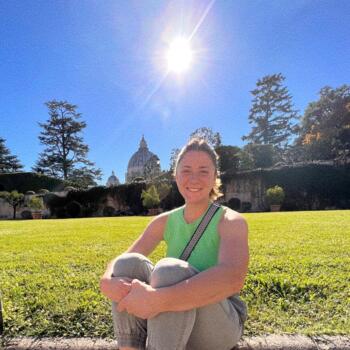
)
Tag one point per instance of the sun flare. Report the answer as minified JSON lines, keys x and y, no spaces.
{"x":179,"y":55}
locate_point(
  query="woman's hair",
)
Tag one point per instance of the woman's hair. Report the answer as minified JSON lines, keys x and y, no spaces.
{"x":200,"y":145}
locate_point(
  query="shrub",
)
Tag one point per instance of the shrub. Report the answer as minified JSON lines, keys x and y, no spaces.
{"x":36,"y":203}
{"x":60,"y":212}
{"x":26,"y":215}
{"x":163,"y":189}
{"x":173,"y":199}
{"x":73,"y":209}
{"x":108,"y":211}
{"x":43,"y":191}
{"x":56,"y":204}
{"x":275,"y":195}
{"x":246,"y":206}
{"x":150,"y":198}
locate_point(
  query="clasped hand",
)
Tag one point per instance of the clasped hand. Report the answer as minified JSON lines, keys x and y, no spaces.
{"x":141,"y":301}
{"x":133,"y":296}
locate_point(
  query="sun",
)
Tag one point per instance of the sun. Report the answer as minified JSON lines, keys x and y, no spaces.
{"x":179,"y":55}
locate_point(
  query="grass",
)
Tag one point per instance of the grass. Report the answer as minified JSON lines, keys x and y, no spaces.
{"x":298,"y":282}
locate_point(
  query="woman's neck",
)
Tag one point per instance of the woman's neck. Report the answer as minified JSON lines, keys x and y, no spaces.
{"x":193,"y":211}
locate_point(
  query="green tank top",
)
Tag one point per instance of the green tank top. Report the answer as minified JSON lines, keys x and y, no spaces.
{"x":178,"y":233}
{"x":205,"y":255}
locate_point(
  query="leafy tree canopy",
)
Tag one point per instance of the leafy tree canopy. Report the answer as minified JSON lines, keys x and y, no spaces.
{"x":152,"y":168}
{"x":324,"y":132}
{"x":255,"y":156}
{"x":229,"y":157}
{"x":65,"y":153}
{"x":150,"y":198}
{"x":211,"y":137}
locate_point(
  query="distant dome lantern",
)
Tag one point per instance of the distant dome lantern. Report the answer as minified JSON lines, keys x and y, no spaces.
{"x":143,"y":143}
{"x":112,"y":180}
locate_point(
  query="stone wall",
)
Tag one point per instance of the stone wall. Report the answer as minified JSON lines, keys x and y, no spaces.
{"x":307,"y":187}
{"x":6,"y":211}
{"x":247,"y":188}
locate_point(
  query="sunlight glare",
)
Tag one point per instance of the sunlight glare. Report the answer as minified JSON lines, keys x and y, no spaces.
{"x":179,"y":55}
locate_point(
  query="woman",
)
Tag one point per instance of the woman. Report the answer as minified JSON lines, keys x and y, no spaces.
{"x":176,"y":304}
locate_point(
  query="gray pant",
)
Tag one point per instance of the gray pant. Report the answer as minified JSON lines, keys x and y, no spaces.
{"x":216,"y":326}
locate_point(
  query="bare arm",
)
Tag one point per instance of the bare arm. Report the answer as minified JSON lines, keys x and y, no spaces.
{"x":216,"y":283}
{"x":147,"y":241}
{"x":151,"y":237}
{"x":116,"y":288}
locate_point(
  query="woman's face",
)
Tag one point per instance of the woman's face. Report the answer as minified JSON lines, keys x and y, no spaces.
{"x":195,"y":176}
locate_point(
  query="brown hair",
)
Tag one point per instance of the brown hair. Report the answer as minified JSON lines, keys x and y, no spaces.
{"x":200,"y":145}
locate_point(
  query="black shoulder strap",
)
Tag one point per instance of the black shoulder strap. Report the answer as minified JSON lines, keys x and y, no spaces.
{"x":199,"y":231}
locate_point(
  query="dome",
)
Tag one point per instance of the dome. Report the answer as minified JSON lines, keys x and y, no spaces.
{"x":138,"y":160}
{"x":112,"y":180}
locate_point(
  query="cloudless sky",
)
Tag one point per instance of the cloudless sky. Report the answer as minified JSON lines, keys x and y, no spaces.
{"x":107,"y":57}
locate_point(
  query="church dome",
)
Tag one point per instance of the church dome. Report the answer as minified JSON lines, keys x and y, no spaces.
{"x":138,"y":160}
{"x":112,"y":180}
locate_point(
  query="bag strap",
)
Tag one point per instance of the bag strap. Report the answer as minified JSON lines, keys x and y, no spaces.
{"x":214,"y":207}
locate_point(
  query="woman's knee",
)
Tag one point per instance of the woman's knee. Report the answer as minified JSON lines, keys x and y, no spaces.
{"x":132,"y":265}
{"x":169,"y":271}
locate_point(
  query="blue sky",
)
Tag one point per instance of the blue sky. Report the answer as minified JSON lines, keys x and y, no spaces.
{"x":107,"y":58}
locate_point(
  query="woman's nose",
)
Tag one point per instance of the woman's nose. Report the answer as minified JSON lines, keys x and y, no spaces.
{"x":193,"y":176}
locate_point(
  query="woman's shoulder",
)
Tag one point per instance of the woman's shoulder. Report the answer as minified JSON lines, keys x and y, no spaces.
{"x":230,"y":214}
{"x":163,"y":217}
{"x":231,"y":218}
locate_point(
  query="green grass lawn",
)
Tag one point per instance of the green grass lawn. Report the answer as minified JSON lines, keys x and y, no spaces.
{"x":298,"y":282}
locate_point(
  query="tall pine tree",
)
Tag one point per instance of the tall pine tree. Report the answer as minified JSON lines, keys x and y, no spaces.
{"x":65,"y":155}
{"x":272,"y":114}
{"x":8,"y":162}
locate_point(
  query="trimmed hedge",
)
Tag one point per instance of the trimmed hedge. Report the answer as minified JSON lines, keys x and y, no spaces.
{"x":93,"y":202}
{"x":306,"y":186}
{"x":23,"y":182}
{"x":313,"y":186}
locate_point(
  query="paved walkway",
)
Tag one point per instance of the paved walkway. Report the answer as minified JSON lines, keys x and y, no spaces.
{"x":270,"y":342}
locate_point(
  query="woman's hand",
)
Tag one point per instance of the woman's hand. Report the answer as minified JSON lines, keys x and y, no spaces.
{"x":115,"y":288}
{"x":141,"y":301}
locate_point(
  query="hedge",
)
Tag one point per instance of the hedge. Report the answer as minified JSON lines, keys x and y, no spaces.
{"x":23,"y":182}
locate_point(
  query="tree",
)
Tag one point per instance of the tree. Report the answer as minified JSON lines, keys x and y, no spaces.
{"x":324,"y":132}
{"x":173,"y":157}
{"x":14,"y":199}
{"x":152,"y":168}
{"x":84,"y":177}
{"x":8,"y":162}
{"x":207,"y":134}
{"x":228,"y":157}
{"x":272,"y":114}
{"x":65,"y":155}
{"x":36,"y":203}
{"x":254,"y":156}
{"x":163,"y":189}
{"x":150,"y":198}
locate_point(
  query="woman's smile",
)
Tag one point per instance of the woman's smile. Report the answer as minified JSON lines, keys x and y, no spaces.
{"x":193,"y":189}
{"x":195,"y":176}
